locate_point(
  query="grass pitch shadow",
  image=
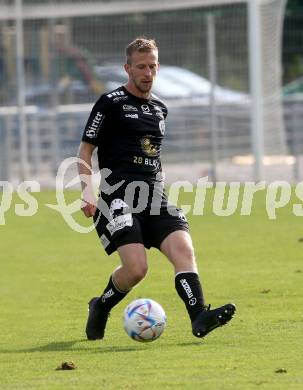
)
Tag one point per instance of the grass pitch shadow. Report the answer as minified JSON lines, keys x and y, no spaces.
{"x":58,"y":346}
{"x":84,"y":345}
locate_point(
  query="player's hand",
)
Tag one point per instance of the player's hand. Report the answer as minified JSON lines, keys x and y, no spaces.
{"x":88,"y":208}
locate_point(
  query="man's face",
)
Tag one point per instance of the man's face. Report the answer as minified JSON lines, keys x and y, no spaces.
{"x":142,"y":70}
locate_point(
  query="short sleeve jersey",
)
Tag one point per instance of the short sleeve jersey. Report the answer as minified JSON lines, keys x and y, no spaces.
{"x":128,"y":132}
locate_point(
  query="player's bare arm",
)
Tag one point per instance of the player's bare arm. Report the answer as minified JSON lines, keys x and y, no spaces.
{"x":85,"y":153}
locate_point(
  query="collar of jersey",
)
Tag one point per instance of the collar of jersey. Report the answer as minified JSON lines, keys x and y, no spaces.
{"x":134,"y":96}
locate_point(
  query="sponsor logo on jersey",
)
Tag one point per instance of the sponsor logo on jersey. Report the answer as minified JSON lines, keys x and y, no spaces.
{"x":93,"y":129}
{"x":120,"y":98}
{"x":134,"y":116}
{"x":145,"y":109}
{"x":116,"y":93}
{"x":150,"y":162}
{"x":147,"y":146}
{"x":128,"y":107}
{"x":159,"y":112}
{"x":162,"y":126}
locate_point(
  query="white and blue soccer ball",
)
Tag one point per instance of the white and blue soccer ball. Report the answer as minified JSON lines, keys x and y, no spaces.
{"x":144,"y":320}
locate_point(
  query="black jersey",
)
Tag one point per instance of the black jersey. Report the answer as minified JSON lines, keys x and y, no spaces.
{"x":128,"y":132}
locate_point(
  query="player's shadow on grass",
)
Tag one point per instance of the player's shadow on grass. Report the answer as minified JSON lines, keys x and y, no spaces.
{"x":69,"y":346}
{"x":58,"y":346}
{"x":191,"y":343}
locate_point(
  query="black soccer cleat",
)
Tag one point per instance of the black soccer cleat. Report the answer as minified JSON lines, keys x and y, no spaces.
{"x":208,"y":320}
{"x":96,"y":321}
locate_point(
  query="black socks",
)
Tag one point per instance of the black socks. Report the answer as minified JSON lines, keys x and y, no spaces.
{"x":187,"y":285}
{"x":189,"y":289}
{"x":111,"y":296}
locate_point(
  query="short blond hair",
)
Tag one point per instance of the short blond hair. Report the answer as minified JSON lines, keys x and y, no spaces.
{"x":140,"y":44}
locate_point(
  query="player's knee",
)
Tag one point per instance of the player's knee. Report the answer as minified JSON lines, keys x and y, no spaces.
{"x":139,"y":272}
{"x":185,"y":251}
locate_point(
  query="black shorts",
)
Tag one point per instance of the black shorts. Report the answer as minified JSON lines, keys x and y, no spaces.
{"x":136,"y":212}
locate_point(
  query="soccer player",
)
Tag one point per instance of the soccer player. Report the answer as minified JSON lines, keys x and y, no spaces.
{"x":127,"y":126}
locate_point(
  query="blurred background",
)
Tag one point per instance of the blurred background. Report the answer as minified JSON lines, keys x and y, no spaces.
{"x":231,"y":74}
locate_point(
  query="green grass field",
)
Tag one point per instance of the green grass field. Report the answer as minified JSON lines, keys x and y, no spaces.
{"x":49,"y":272}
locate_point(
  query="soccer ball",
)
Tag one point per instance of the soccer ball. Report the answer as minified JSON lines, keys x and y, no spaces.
{"x":144,"y":320}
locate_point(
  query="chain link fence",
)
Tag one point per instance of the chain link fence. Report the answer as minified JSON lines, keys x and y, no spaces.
{"x":70,"y":60}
